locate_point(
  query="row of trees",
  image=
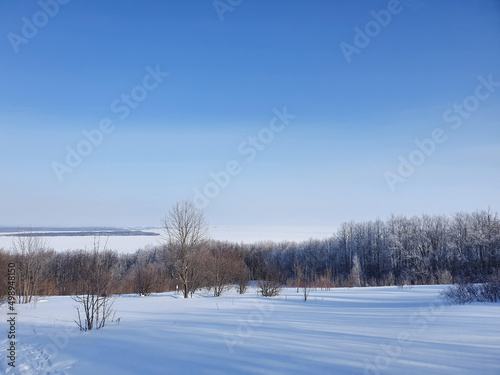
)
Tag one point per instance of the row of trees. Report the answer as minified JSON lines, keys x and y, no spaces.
{"x":418,"y":250}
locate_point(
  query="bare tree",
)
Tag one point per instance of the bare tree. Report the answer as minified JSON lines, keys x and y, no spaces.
{"x":29,"y":255}
{"x":305,"y":283}
{"x":198,"y":270}
{"x":242,"y":276}
{"x":298,"y":270}
{"x":305,"y":291}
{"x":145,"y":274}
{"x":223,"y":266}
{"x":355,"y":274}
{"x":186,"y":231}
{"x":94,"y":301}
{"x":144,"y":278}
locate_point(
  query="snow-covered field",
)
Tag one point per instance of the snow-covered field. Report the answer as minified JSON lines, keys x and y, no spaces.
{"x":383,"y":330}
{"x":235,"y":233}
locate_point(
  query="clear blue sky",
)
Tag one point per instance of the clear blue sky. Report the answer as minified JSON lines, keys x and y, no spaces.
{"x":330,"y":163}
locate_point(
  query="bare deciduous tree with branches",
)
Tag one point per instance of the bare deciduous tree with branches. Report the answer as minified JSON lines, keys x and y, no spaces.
{"x":145,"y":275}
{"x":186,"y":231}
{"x":243,"y":276}
{"x":29,"y":255}
{"x":224,"y":266}
{"x":355,"y":274}
{"x":298,"y":270}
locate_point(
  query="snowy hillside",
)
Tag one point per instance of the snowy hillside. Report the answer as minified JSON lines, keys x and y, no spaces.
{"x":383,"y":330}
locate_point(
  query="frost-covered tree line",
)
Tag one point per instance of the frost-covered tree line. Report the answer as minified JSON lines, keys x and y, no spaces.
{"x":418,"y":250}
{"x":424,"y":249}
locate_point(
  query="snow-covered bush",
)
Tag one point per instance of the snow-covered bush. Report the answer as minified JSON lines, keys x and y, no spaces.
{"x":468,"y":292}
{"x":270,"y":288}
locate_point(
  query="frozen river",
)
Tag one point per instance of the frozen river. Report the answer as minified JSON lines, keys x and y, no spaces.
{"x":234,"y":233}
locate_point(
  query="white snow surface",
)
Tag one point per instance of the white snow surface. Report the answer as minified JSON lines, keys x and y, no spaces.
{"x":234,"y":233}
{"x":382,"y":330}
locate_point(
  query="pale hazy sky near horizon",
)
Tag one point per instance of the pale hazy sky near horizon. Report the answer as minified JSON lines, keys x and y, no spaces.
{"x":433,"y":65}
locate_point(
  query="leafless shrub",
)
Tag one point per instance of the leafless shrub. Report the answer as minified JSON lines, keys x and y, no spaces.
{"x":466,"y":292}
{"x":326,"y":281}
{"x":94,"y":311}
{"x":271,"y":284}
{"x":270,"y":288}
{"x":490,"y":291}
{"x":94,"y":301}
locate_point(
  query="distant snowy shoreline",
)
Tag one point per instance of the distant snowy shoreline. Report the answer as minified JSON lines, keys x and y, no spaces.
{"x":128,"y":240}
{"x":83,"y":233}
